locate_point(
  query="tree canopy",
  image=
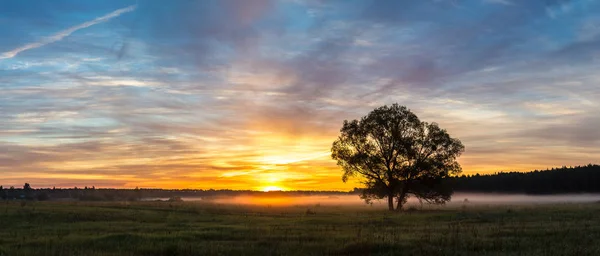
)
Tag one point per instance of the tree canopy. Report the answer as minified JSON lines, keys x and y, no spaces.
{"x":396,"y":155}
{"x":578,"y":179}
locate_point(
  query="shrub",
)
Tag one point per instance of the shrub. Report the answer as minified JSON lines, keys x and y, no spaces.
{"x":175,"y":199}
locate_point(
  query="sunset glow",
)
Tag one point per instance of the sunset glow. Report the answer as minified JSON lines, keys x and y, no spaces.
{"x":250,"y":95}
{"x":272,"y":188}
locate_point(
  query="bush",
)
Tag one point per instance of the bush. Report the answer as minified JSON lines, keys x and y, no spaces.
{"x":175,"y":199}
{"x":43,"y":197}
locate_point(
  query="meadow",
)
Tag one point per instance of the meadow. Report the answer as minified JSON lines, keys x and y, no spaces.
{"x":197,"y":228}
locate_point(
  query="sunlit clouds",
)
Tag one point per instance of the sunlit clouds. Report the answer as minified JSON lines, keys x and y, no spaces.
{"x":250,"y":94}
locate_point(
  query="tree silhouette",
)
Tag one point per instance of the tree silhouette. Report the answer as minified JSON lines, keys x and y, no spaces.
{"x":28,"y":191}
{"x":579,"y":179}
{"x":396,"y":155}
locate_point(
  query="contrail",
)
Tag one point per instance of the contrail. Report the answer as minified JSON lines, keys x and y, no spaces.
{"x":62,"y":34}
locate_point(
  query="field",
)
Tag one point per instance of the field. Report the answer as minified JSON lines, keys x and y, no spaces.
{"x":192,"y":228}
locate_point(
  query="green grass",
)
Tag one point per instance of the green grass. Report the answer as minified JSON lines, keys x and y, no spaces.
{"x":162,"y":228}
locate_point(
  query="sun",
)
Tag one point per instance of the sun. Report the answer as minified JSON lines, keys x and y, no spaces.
{"x":272,"y":188}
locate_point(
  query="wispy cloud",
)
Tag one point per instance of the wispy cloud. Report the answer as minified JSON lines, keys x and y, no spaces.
{"x":62,"y":34}
{"x":505,"y":2}
{"x":250,"y":93}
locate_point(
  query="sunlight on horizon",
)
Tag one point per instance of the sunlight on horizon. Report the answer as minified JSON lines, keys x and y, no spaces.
{"x":251,"y":94}
{"x":272,"y":188}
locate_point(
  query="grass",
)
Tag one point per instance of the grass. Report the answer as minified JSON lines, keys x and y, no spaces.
{"x":162,"y":228}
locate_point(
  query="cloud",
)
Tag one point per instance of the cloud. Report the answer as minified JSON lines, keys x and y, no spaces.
{"x":64,"y":33}
{"x":570,"y":129}
{"x":201,"y":32}
{"x":504,"y":2}
{"x":229,"y":93}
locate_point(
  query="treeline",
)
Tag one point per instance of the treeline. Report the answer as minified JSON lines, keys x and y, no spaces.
{"x":579,"y":179}
{"x":137,"y":194}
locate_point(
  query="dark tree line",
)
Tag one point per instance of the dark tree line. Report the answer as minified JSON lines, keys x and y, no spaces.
{"x":579,"y":179}
{"x":111,"y":194}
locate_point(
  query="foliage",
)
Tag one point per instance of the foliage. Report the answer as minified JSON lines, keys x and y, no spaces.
{"x":112,"y":194}
{"x":397,"y":155}
{"x":580,"y":179}
{"x":42,"y":197}
{"x":175,"y":199}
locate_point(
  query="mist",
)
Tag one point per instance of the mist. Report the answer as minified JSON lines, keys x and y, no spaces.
{"x":483,"y":198}
{"x":355,"y":201}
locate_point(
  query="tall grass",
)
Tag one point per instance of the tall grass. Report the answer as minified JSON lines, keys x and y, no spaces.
{"x":162,"y":228}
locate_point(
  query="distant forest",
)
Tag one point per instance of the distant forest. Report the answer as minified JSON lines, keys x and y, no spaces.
{"x":579,"y":179}
{"x":27,"y":192}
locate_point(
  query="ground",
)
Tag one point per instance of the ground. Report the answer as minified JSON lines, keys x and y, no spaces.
{"x":192,"y":228}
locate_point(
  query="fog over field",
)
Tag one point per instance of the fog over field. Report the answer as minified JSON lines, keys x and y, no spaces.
{"x":354,"y":200}
{"x":476,"y":198}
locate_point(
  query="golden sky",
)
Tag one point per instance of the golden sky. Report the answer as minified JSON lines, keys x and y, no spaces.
{"x":251,"y":94}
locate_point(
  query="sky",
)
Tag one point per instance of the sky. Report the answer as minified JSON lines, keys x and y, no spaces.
{"x":250,"y":94}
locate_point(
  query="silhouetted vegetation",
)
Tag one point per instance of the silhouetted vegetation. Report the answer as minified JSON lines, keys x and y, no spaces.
{"x":396,"y":155}
{"x":138,"y":194}
{"x":175,"y":199}
{"x":579,"y":179}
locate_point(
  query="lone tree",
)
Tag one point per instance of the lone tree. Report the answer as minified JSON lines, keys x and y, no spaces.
{"x":28,"y":191}
{"x":397,"y":156}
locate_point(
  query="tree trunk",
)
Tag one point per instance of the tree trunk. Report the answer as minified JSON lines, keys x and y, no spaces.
{"x":391,"y":202}
{"x":399,"y":205}
{"x":400,"y":202}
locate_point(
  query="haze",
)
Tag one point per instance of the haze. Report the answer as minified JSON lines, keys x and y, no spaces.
{"x":458,"y":199}
{"x":251,"y":94}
